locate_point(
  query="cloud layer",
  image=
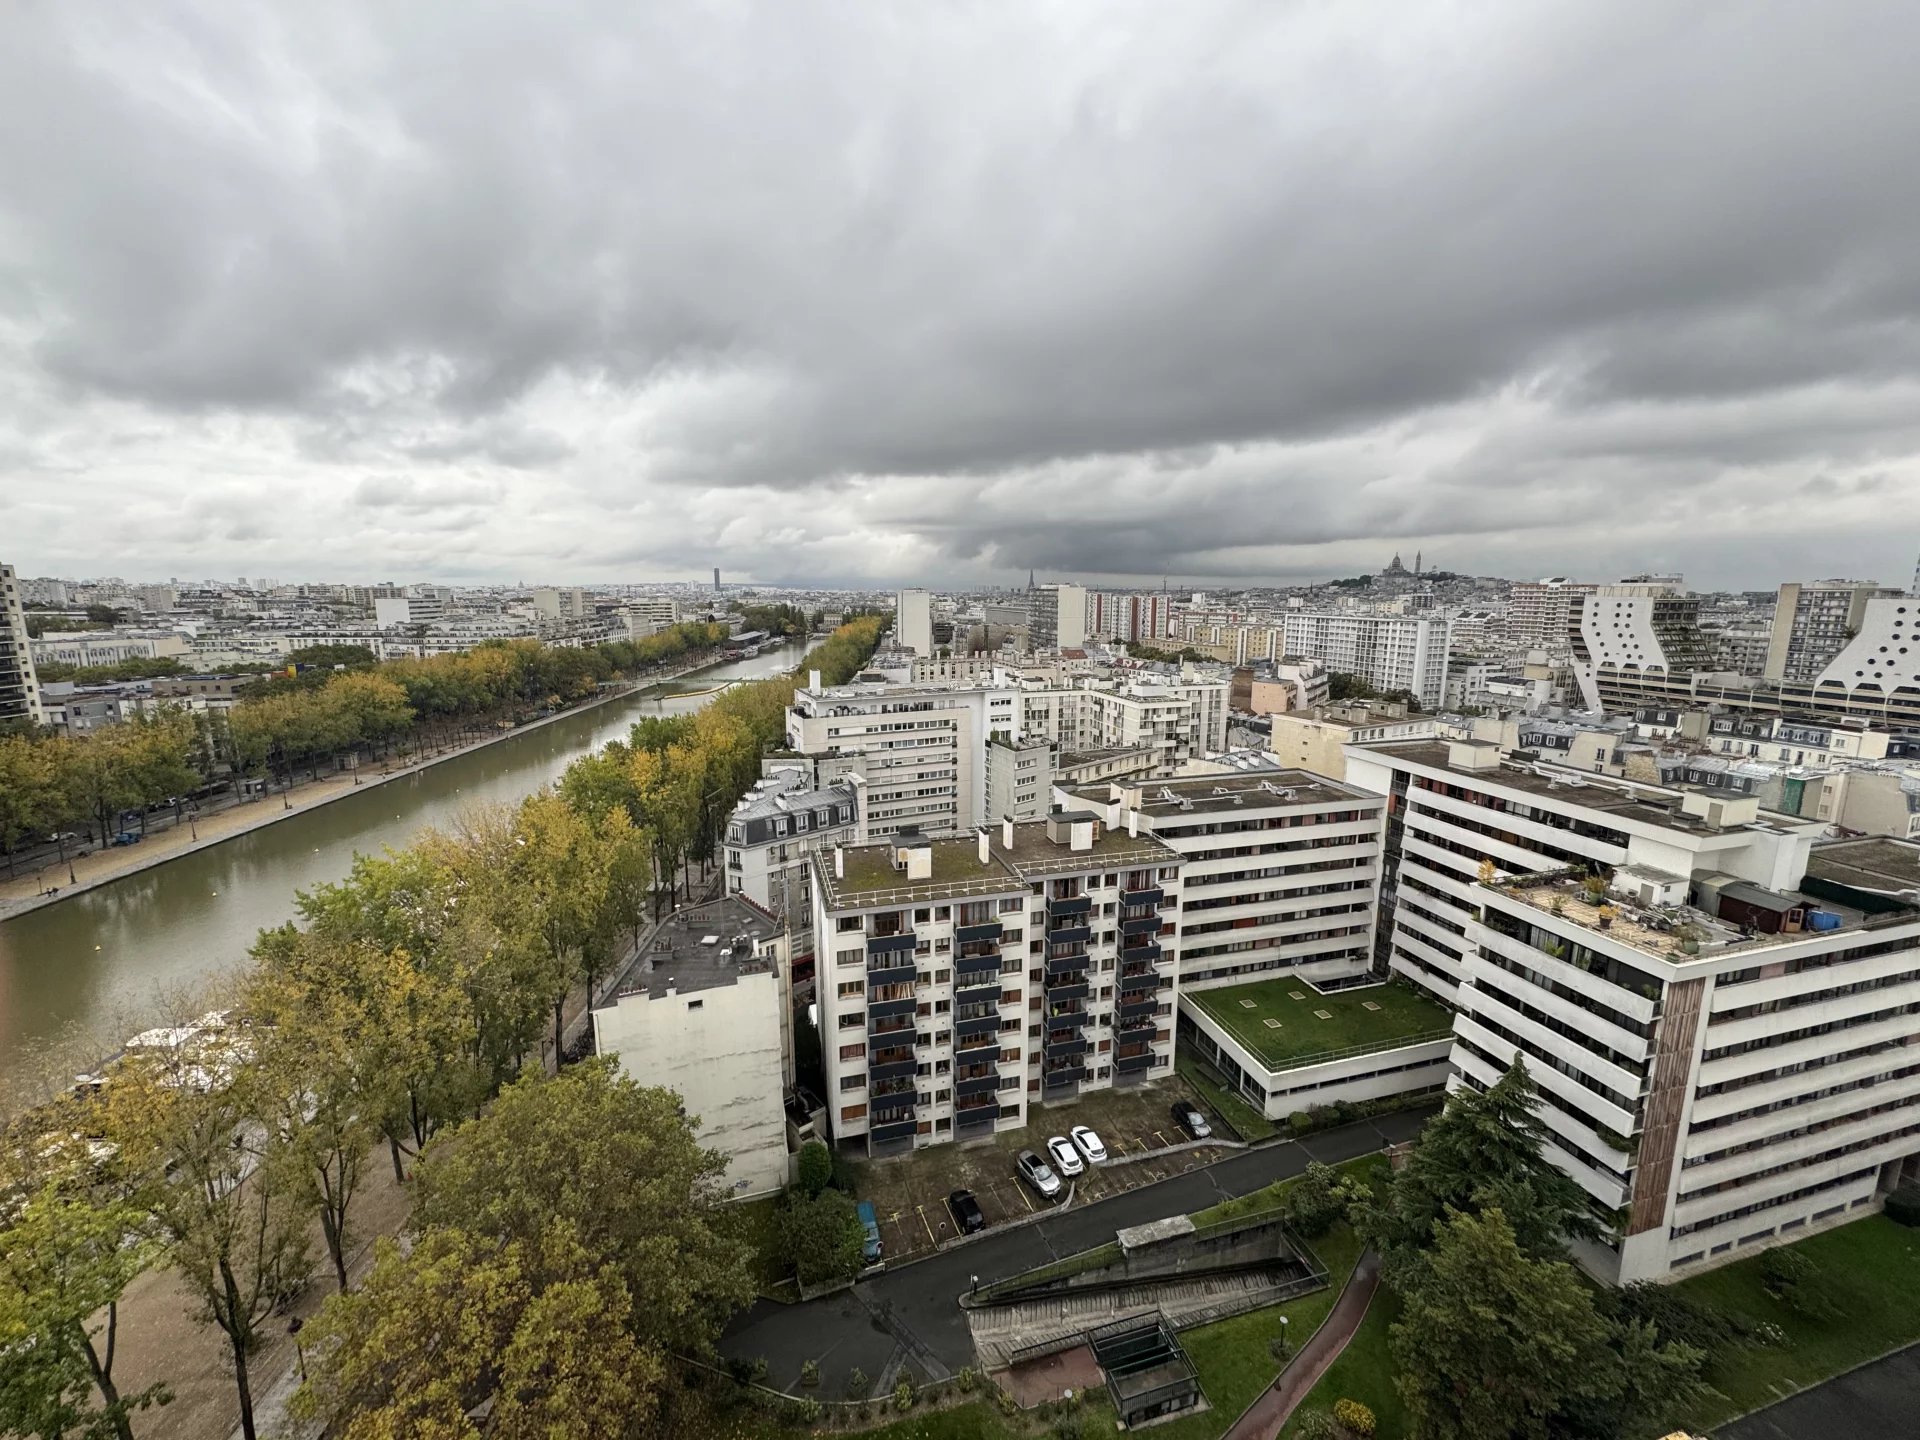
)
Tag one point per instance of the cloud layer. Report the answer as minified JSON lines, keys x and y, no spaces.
{"x":847,"y":291}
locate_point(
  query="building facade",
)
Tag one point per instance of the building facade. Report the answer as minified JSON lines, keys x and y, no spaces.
{"x":782,"y":820}
{"x":1813,"y":623}
{"x":19,"y":685}
{"x":963,"y":981}
{"x":1057,"y":617}
{"x":913,"y":621}
{"x":1389,"y":652}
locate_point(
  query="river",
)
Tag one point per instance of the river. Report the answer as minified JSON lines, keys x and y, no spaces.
{"x":97,"y":967}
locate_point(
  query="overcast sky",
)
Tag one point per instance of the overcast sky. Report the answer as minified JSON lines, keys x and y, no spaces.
{"x":941,"y":292}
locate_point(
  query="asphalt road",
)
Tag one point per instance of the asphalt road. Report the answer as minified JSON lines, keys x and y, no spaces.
{"x":911,"y":1316}
{"x":1880,"y":1399}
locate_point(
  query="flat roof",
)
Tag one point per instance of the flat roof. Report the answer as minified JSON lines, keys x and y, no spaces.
{"x":870,"y":878}
{"x":1871,"y":864}
{"x":1319,"y":1022}
{"x":1230,"y":790}
{"x":1648,"y":931}
{"x":677,"y":956}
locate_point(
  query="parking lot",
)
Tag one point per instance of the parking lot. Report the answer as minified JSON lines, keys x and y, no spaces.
{"x":909,"y":1192}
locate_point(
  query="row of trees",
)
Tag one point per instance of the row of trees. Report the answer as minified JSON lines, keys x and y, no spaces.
{"x":50,"y":784}
{"x":568,"y":1232}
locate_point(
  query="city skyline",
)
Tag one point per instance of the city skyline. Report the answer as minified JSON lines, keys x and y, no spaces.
{"x":289,"y":293}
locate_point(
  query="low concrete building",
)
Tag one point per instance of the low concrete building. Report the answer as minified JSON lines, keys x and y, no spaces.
{"x":704,"y":1011}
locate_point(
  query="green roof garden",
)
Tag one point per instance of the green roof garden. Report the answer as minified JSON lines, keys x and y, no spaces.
{"x":1317,"y":1025}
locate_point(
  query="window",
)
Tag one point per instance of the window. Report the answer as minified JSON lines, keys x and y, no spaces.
{"x":695,"y":1004}
{"x":853,"y":1020}
{"x":853,"y":1082}
{"x":846,"y":923}
{"x":853,"y":1112}
{"x":853,"y":1052}
{"x":851,"y":988}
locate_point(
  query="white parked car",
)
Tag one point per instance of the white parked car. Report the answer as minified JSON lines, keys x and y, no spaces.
{"x":1088,"y":1144}
{"x":1065,"y":1158}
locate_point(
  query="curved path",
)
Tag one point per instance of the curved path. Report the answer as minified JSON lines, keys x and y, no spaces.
{"x":1263,"y":1419}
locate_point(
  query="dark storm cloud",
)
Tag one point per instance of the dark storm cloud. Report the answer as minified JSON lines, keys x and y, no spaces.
{"x":1213,"y":290}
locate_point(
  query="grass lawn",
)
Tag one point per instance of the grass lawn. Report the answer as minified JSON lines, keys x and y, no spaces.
{"x":1875,"y":1266}
{"x":1399,"y":1015}
{"x":1374,"y":1166}
{"x":1247,"y":1121}
{"x":761,"y":1231}
{"x":1364,"y":1372}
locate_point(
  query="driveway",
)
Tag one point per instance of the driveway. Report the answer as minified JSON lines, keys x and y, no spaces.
{"x":1881,"y":1398}
{"x":910,"y":1316}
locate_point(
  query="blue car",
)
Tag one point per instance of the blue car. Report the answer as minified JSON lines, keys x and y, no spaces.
{"x":869,"y":1222}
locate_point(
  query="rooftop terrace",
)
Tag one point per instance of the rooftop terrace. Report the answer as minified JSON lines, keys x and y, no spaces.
{"x":870,"y":878}
{"x":1314,"y":1025}
{"x":1226,"y":791}
{"x":678,"y":954}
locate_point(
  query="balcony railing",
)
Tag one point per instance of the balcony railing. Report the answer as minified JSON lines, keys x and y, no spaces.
{"x":1060,"y":1047}
{"x":1068,"y":1020}
{"x":1140,"y":925}
{"x":1069,"y":935}
{"x":1143,"y":980}
{"x":970,"y":989}
{"x":1150,"y":896}
{"x":1063,"y":1075}
{"x":1058,"y":908}
{"x":987,"y":964}
{"x":1129,"y":1064}
{"x":972,"y":1051}
{"x":891,"y":944}
{"x":880,"y":1070}
{"x":963,"y":934}
{"x":879,"y":1133}
{"x":1067,"y":965}
{"x":886,"y":1009}
{"x":1067,"y":990}
{"x":1149,"y":952}
{"x":977,"y":1085}
{"x":887,"y":973}
{"x":966,"y":1117}
{"x":977,"y":1027}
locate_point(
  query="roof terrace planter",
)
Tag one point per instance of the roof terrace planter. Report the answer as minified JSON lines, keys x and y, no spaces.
{"x":962,"y":934}
{"x":902,"y":943}
{"x":1058,"y":909}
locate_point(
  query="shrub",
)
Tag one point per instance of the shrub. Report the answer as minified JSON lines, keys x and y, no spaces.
{"x":968,"y":1378}
{"x":816,"y":1168}
{"x":1317,"y":1425}
{"x":858,"y":1384}
{"x":1676,"y":1317}
{"x":809,"y":1372}
{"x":1315,"y":1201}
{"x":1300,"y":1123}
{"x":903,"y":1395}
{"x":1903,"y":1206}
{"x":807,"y":1411}
{"x":759,"y":1371}
{"x":1799,"y":1284}
{"x":1355,"y":1418}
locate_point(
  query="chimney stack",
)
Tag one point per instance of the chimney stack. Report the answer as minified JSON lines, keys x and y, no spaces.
{"x":813,"y":680}
{"x":1006,"y":831}
{"x":839,"y":862}
{"x":986,"y":846}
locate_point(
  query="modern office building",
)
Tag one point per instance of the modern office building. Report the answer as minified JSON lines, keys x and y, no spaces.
{"x":1620,"y":633}
{"x":19,"y":685}
{"x":1812,"y":624}
{"x":1389,"y":652}
{"x":913,"y":621}
{"x":1718,"y":1045}
{"x":962,"y":981}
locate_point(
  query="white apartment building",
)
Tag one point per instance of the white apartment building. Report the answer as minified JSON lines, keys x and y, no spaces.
{"x":1389,"y":652}
{"x":649,"y":615}
{"x":1279,"y":870}
{"x":777,"y":824}
{"x":1116,"y":616}
{"x":1812,"y":623}
{"x":1019,"y":778}
{"x":1884,"y":658}
{"x":913,"y":621}
{"x":1315,"y":740}
{"x":963,"y":981}
{"x":19,"y":685}
{"x":1539,"y":612}
{"x":560,"y":606}
{"x":1721,"y":1051}
{"x":106,"y":647}
{"x":1630,"y":630}
{"x":1057,"y":617}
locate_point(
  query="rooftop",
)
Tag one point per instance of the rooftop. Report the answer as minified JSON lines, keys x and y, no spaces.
{"x":1875,"y":864}
{"x":870,"y":878}
{"x":1378,"y":1017}
{"x":680,"y":955}
{"x":1227,"y":791}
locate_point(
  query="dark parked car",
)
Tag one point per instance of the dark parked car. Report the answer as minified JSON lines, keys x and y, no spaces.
{"x":1189,"y":1119}
{"x":966,"y":1212}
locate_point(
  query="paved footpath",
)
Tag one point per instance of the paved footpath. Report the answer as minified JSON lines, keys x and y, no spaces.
{"x":912,"y":1314}
{"x":1263,"y":1418}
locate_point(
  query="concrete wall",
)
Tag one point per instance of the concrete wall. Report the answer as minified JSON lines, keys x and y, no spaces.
{"x":720,"y":1049}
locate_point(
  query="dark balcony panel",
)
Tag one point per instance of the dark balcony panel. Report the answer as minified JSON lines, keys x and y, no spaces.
{"x":1062,"y":991}
{"x":1142,"y":897}
{"x":968,"y":1117}
{"x":989,"y":931}
{"x":977,"y":1085}
{"x":894,"y":1130}
{"x":891,"y":944}
{"x":1128,"y":1064}
{"x":891,"y":974}
{"x":888,"y":1009}
{"x":981,"y":1027}
{"x":1064,"y":1075}
{"x":976,"y":1051}
{"x":1072,"y":905}
{"x":890,"y":1070}
{"x":976,"y":989}
{"x":987,"y":964}
{"x":1143,"y":953}
{"x":1141,"y":925}
{"x":1060,"y":1049}
{"x":1069,"y":935}
{"x":1132,"y":984}
{"x":1066,"y":965}
{"x":1138,"y":1007}
{"x":1068,"y":1020}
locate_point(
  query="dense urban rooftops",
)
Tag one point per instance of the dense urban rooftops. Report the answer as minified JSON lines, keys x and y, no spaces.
{"x":1376,"y":1017}
{"x":1227,"y":791}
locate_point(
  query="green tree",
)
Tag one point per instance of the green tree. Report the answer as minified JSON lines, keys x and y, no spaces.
{"x":222,"y":1190}
{"x":67,"y":1252}
{"x":1320,"y":1197}
{"x":821,"y":1236}
{"x":562,"y":878}
{"x":1492,"y":1344}
{"x":816,"y":1168}
{"x":531,"y":1335}
{"x":1483,"y":1151}
{"x":619,"y":1164}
